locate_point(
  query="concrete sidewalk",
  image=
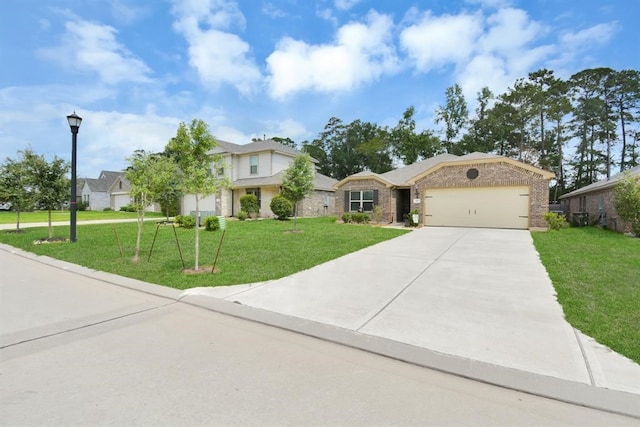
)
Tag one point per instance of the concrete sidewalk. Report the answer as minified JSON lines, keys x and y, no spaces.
{"x":12,"y":226}
{"x":473,"y":302}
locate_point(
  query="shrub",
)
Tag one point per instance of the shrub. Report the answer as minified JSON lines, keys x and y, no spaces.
{"x":186,"y":221}
{"x":627,"y":201}
{"x":82,"y":206}
{"x":107,"y":210}
{"x":249,"y":204}
{"x":555,"y":220}
{"x":242,"y":215}
{"x":377,"y":213}
{"x":346,"y":217}
{"x":211,"y":223}
{"x":360,"y":217}
{"x":281,"y":207}
{"x":128,"y":208}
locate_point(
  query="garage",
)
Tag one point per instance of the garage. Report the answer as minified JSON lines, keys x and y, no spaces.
{"x":491,"y":207}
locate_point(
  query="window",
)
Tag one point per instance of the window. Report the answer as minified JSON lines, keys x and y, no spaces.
{"x":220,"y":168}
{"x":361,"y":201}
{"x":253,"y":162}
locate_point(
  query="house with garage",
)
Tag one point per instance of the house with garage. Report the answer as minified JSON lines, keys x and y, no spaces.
{"x":96,"y":192}
{"x":258,"y":168}
{"x":474,"y":190}
{"x":594,"y":203}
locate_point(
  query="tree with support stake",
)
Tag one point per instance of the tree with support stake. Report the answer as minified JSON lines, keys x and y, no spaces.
{"x":223,"y":226}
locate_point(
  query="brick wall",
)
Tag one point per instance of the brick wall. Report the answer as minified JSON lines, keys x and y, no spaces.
{"x":386,"y":197}
{"x":600,"y":206}
{"x":497,"y":174}
{"x":318,"y":203}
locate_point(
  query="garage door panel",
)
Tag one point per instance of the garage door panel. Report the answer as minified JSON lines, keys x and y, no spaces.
{"x":495,"y":207}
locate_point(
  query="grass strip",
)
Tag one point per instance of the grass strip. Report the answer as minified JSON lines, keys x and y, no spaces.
{"x":596,"y":274}
{"x":252,"y":251}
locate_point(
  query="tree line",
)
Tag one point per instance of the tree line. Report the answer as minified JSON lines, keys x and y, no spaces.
{"x":583,"y":129}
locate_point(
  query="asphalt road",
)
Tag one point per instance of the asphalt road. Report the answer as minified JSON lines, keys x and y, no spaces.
{"x":77,"y":351}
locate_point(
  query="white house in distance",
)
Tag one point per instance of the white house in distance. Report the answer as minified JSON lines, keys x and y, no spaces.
{"x":96,"y":192}
{"x":257,"y":168}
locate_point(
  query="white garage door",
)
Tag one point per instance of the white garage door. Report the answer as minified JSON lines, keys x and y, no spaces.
{"x":494,"y":207}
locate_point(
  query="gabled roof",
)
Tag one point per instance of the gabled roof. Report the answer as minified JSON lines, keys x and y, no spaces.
{"x":407,"y":175}
{"x":603,"y":184}
{"x":256,"y":147}
{"x":321,"y":182}
{"x":103,"y":182}
{"x":126,"y":185}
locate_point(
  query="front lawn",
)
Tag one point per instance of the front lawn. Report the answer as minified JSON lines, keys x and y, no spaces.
{"x":10,"y":217}
{"x":252,"y":251}
{"x":596,"y":274}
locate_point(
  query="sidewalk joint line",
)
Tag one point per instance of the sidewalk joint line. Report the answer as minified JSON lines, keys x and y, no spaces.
{"x":86,"y":326}
{"x":584,"y":356}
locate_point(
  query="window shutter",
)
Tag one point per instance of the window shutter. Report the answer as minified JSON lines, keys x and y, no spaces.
{"x":346,"y":201}
{"x":375,"y":197}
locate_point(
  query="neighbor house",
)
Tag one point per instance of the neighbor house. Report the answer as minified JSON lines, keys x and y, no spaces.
{"x":474,"y":190}
{"x":594,"y":203}
{"x":96,"y":192}
{"x":258,"y":168}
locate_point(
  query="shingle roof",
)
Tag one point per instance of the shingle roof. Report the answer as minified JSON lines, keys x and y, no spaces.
{"x":603,"y":184}
{"x":256,"y":147}
{"x":321,"y":182}
{"x":401,"y":175}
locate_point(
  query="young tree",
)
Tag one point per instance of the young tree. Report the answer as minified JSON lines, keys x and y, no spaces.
{"x":298,"y":182}
{"x":15,"y":186}
{"x":150,"y":176}
{"x":48,"y":181}
{"x":627,"y":201}
{"x":191,"y":149}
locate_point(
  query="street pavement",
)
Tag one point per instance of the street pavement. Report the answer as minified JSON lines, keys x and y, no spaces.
{"x":476,"y":303}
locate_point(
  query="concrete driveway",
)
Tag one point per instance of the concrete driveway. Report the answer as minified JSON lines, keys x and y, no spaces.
{"x":477,"y":302}
{"x":473,"y":302}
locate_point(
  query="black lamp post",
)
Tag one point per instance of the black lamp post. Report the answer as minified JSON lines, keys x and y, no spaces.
{"x":74,"y":123}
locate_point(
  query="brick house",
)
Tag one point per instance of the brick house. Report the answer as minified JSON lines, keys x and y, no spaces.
{"x":474,"y":190}
{"x":594,"y":203}
{"x":258,"y":168}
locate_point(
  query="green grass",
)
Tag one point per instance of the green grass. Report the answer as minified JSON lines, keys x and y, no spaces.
{"x":596,"y":274}
{"x":252,"y":251}
{"x":10,"y":217}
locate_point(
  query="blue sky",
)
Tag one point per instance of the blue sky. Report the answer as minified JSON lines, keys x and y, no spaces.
{"x":134,"y":69}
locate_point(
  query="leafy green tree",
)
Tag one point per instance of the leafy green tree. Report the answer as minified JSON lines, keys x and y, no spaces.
{"x":150,"y":176}
{"x":627,"y":201}
{"x":454,"y":114}
{"x":409,"y":146}
{"x":298,"y":182}
{"x":191,"y":149}
{"x":479,"y":137}
{"x":15,"y":185}
{"x":625,"y":99}
{"x":48,"y":181}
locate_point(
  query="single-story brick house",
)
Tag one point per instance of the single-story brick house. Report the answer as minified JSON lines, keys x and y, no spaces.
{"x":474,"y":190}
{"x":595,"y":202}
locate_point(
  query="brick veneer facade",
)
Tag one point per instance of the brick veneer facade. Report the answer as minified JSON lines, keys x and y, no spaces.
{"x":491,"y":174}
{"x":600,"y":207}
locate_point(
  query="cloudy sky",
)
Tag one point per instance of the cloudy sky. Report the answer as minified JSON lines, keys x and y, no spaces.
{"x":134,"y":69}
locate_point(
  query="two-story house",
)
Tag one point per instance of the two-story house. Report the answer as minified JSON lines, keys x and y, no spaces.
{"x":96,"y":192}
{"x":257,"y":168}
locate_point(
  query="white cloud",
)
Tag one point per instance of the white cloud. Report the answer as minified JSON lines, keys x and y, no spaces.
{"x":91,"y":47}
{"x":598,"y":34}
{"x":287,"y":128}
{"x":510,"y":31}
{"x":218,"y":56}
{"x":361,"y":53}
{"x":272,"y":11}
{"x":436,"y":41}
{"x":345,"y":4}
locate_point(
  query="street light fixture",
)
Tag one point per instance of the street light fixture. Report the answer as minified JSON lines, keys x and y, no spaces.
{"x":74,"y":123}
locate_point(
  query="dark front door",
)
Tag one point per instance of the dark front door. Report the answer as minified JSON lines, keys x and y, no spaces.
{"x":403,"y":203}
